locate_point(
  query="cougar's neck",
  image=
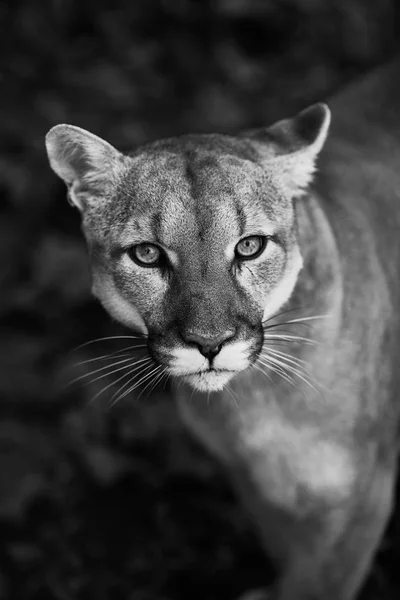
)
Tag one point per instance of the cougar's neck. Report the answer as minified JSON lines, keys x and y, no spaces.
{"x":318,"y":290}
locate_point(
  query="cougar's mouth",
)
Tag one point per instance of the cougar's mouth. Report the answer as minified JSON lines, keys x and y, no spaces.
{"x":209,"y":380}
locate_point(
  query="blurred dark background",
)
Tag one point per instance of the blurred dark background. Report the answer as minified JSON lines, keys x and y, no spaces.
{"x":100,"y":502}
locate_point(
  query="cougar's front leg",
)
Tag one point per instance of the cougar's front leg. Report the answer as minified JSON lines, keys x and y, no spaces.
{"x":324,"y":554}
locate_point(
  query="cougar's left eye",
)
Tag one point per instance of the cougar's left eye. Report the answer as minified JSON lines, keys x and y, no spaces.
{"x":146,"y":254}
{"x":250,"y":247}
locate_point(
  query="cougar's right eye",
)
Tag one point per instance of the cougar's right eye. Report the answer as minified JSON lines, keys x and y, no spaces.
{"x":146,"y":255}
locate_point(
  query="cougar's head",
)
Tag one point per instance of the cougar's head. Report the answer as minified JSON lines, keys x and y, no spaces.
{"x":192,"y":240}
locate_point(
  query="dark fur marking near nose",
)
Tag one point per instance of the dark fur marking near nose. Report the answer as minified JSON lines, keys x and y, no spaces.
{"x":240,"y":217}
{"x":204,"y":270}
{"x":189,"y":170}
{"x":156,"y":224}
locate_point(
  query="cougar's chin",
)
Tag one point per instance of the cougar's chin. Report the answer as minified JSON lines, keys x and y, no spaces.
{"x":208,"y":381}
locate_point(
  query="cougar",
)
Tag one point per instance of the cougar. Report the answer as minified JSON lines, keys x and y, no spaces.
{"x":270,"y":295}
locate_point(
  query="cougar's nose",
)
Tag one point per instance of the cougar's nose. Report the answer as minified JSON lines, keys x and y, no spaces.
{"x":208,"y":346}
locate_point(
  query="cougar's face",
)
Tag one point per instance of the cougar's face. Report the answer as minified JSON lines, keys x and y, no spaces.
{"x":192,"y":239}
{"x":196,"y":250}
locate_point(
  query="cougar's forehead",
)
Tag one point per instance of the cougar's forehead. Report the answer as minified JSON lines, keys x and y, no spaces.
{"x":175,"y":197}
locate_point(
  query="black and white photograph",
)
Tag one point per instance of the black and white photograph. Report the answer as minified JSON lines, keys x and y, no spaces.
{"x":199,"y":300}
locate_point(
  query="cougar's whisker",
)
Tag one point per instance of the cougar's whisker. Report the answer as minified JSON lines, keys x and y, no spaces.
{"x":284,"y":360}
{"x":290,"y":338}
{"x":114,"y":364}
{"x":144,"y":378}
{"x":167,"y":378}
{"x":304,"y":319}
{"x":132,"y":374}
{"x":233,"y":395}
{"x":279,"y":371}
{"x":289,"y":368}
{"x":151,"y":384}
{"x":293,"y":363}
{"x":157,"y":381}
{"x":300,"y":362}
{"x":284,"y":312}
{"x":110,"y":337}
{"x":116,"y":354}
{"x":256,"y":366}
{"x":135,"y":367}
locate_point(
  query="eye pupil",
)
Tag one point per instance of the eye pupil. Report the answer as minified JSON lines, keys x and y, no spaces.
{"x":146,"y":254}
{"x":250,"y":247}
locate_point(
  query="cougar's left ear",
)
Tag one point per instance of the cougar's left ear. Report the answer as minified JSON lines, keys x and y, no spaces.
{"x":89,"y":165}
{"x":290,"y":147}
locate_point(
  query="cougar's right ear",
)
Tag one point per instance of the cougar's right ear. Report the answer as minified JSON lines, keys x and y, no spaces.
{"x":290,"y":147}
{"x":90,"y":166}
